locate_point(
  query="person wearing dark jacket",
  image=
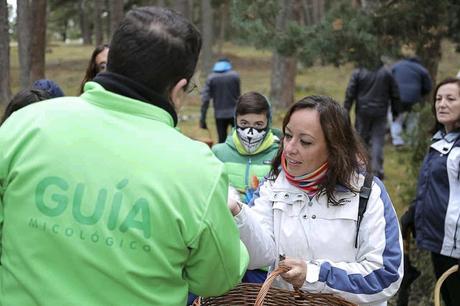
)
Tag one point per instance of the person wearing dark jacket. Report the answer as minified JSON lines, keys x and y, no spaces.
{"x":414,"y":82}
{"x":223,"y":88}
{"x":372,"y":90}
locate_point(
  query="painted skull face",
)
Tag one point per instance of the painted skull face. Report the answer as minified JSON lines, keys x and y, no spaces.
{"x":251,"y":130}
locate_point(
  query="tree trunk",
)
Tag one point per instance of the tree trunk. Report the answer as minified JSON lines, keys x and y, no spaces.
{"x":108,"y":21}
{"x":283,"y":67}
{"x":5,"y":89}
{"x":307,"y":7}
{"x":64,"y":30}
{"x":38,"y":40}
{"x":207,"y":36}
{"x":183,"y":7}
{"x":24,"y":40}
{"x":116,"y":13}
{"x":318,"y":10}
{"x":98,"y":33}
{"x":224,"y":12}
{"x":85,"y":24}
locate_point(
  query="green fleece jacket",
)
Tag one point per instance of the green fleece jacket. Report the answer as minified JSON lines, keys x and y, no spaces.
{"x":241,"y":168}
{"x":104,"y":202}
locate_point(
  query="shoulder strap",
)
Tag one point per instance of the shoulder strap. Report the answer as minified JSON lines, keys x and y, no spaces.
{"x":364,"y":194}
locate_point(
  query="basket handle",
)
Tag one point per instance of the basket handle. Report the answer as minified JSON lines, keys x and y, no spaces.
{"x":437,"y":287}
{"x":267,"y":284}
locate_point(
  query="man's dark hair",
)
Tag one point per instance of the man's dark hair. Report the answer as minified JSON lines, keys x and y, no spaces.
{"x":252,"y":103}
{"x":156,"y":47}
{"x":23,"y":98}
{"x":347,"y":154}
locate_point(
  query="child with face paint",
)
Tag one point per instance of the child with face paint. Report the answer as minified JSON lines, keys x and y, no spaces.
{"x":248,"y":152}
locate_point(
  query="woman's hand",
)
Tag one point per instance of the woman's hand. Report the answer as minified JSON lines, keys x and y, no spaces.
{"x":297,"y":271}
{"x":232,"y":201}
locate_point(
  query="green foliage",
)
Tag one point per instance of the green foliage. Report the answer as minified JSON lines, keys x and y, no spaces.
{"x":347,"y":35}
{"x":418,"y":142}
{"x":255,"y":21}
{"x":454,"y":23}
{"x":409,"y":21}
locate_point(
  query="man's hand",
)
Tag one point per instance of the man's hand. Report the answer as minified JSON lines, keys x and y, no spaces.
{"x":203,"y":124}
{"x":297,"y":271}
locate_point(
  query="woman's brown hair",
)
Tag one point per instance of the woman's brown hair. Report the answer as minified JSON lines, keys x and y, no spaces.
{"x":347,"y":154}
{"x":92,"y":68}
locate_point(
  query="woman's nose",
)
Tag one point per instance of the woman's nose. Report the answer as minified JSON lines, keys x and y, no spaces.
{"x":443,"y":102}
{"x":289,"y":147}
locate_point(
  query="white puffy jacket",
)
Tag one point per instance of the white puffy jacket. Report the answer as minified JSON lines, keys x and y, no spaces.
{"x":284,"y":221}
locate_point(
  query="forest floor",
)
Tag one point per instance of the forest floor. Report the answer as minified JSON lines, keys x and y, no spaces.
{"x":66,"y":65}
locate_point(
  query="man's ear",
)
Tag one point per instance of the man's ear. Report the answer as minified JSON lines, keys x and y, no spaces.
{"x":177,"y":93}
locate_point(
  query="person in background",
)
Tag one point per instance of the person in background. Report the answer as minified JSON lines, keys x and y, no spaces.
{"x":248,"y":151}
{"x":307,"y":211}
{"x":373,"y":89}
{"x":223,"y":88}
{"x":50,"y":86}
{"x":101,"y":192}
{"x":24,"y":98}
{"x":414,"y":82}
{"x":435,"y":212}
{"x":97,"y":63}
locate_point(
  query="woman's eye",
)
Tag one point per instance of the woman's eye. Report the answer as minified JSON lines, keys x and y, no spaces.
{"x":305,"y":143}
{"x":287,"y":136}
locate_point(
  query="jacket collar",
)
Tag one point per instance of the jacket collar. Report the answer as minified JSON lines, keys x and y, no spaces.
{"x":126,"y":87}
{"x":449,"y":137}
{"x":97,"y":95}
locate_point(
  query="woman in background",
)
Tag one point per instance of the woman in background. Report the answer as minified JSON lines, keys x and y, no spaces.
{"x":97,"y":63}
{"x":436,"y":209}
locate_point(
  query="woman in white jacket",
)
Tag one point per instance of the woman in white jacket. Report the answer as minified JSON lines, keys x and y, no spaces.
{"x":307,"y":211}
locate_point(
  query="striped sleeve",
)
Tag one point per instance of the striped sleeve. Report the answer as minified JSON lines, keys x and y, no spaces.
{"x":377,"y":273}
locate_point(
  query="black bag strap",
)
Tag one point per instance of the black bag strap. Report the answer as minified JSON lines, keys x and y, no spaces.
{"x":364,"y":194}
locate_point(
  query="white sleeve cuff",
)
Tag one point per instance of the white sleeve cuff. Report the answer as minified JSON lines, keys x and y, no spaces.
{"x":312,"y":272}
{"x":240,"y":218}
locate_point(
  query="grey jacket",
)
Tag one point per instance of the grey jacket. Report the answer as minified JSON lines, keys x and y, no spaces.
{"x":223,"y":88}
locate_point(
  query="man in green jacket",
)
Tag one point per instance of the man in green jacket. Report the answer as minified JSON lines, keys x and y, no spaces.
{"x":103,"y":201}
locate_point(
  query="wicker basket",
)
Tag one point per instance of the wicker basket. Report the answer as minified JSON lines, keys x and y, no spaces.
{"x":262,"y":294}
{"x":437,"y":288}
